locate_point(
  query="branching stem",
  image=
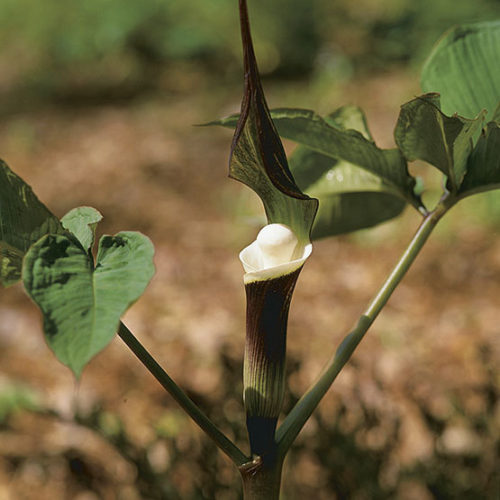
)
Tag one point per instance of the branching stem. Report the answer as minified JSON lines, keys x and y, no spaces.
{"x":296,"y":419}
{"x":220,"y":439}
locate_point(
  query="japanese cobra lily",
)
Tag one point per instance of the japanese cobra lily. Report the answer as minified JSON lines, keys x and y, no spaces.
{"x":273,"y":262}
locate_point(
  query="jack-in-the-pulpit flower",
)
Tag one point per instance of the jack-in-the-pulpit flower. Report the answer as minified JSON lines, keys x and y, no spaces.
{"x":272,"y":265}
{"x":273,"y":262}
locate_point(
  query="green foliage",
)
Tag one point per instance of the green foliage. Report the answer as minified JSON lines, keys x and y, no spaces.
{"x":360,"y":185}
{"x":464,"y":68}
{"x":23,"y":220}
{"x":350,"y":197}
{"x":423,"y":132}
{"x":82,"y":304}
{"x":338,"y":162}
{"x":483,"y":167}
{"x":82,"y":222}
{"x":327,"y":138}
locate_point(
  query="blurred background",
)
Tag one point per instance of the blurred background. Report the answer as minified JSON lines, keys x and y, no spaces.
{"x":97,"y":103}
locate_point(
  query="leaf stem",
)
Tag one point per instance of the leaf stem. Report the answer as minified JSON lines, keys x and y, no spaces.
{"x":220,"y":439}
{"x":298,"y":416}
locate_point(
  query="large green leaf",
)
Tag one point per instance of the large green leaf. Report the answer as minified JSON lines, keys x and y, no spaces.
{"x":82,"y":222}
{"x":464,"y":68}
{"x":82,"y":305}
{"x":311,"y":130}
{"x":424,"y":132}
{"x":496,"y":115}
{"x":350,"y":198}
{"x":483,"y":168}
{"x":23,"y":220}
{"x":257,"y":155}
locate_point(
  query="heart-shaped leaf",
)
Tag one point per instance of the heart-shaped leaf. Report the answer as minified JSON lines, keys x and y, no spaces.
{"x":82,"y":222}
{"x":464,"y":68}
{"x":424,"y":132}
{"x":23,"y":220}
{"x":483,"y":167}
{"x":82,"y":305}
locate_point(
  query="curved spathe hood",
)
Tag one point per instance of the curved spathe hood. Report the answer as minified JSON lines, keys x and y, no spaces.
{"x":276,"y":252}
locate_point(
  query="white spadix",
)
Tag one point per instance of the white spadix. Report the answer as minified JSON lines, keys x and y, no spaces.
{"x":276,"y":252}
{"x":277,"y":243}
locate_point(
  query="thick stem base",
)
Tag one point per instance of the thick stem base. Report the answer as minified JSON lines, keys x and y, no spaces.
{"x":261,"y":479}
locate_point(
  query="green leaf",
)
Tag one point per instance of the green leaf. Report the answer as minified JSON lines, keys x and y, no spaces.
{"x":257,"y":155}
{"x":350,"y":118}
{"x":483,"y":168}
{"x":464,"y":67}
{"x":82,"y":305}
{"x":321,"y":135}
{"x":350,"y":198}
{"x":496,"y":114}
{"x":424,"y":132}
{"x":23,"y":220}
{"x":82,"y":222}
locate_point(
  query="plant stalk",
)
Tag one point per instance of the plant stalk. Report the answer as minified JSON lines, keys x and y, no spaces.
{"x":298,"y":416}
{"x":186,"y":403}
{"x":262,"y":479}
